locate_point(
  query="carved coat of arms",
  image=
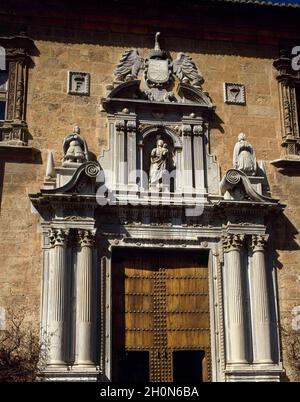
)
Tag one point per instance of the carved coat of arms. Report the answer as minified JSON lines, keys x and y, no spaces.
{"x":159,"y":71}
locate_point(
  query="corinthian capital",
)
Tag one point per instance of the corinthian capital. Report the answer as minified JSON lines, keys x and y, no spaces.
{"x":86,"y":238}
{"x":186,"y":129}
{"x":233,"y":242}
{"x":198,"y":130}
{"x":58,"y":237}
{"x":258,"y":242}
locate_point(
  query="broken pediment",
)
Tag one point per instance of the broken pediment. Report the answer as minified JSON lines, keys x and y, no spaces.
{"x":237,"y":186}
{"x":82,"y":180}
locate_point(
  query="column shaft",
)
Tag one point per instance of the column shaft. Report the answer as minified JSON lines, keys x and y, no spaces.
{"x":260,"y":303}
{"x":84,"y":302}
{"x":57,"y":315}
{"x":187,"y":158}
{"x":198,"y":158}
{"x":236,"y":342}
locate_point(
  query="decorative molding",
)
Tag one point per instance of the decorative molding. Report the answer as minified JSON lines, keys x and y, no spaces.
{"x":78,"y":83}
{"x":287,"y":165}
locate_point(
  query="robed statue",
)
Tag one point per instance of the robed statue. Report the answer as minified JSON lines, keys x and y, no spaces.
{"x":159,"y":161}
{"x":75,"y":148}
{"x":244,"y":158}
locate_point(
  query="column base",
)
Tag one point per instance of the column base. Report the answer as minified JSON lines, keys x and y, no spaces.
{"x":254,"y":373}
{"x":238,"y":362}
{"x":71,"y":374}
{"x":88,"y":363}
{"x":267,"y":361}
{"x":58,"y":363}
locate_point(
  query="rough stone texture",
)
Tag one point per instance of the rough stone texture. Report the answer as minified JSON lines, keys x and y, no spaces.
{"x":52,"y":113}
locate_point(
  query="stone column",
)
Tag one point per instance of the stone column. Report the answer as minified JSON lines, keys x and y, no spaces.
{"x":85,"y":301}
{"x":234,"y":300}
{"x":120,"y":150}
{"x":187,"y":158}
{"x":178,"y":166}
{"x":260,"y":302}
{"x":131,"y":155}
{"x":198,"y":158}
{"x":57,"y":297}
{"x":143,"y":182}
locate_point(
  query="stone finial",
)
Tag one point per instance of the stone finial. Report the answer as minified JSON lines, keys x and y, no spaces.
{"x":50,"y":169}
{"x":244,"y":158}
{"x":157,"y":46}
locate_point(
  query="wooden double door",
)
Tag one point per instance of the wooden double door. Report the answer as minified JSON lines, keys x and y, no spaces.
{"x":160,"y":320}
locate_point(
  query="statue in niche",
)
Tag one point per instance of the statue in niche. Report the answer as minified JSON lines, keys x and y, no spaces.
{"x":244,"y":158}
{"x":159,"y":163}
{"x":75,"y":148}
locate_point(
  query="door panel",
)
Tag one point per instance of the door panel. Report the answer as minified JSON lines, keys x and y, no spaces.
{"x":161,"y":305}
{"x":139,"y":321}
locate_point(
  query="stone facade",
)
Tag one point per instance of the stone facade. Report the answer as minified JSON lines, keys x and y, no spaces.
{"x":230,"y":55}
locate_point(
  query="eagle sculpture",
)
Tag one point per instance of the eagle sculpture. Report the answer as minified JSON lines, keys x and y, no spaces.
{"x":183,"y":68}
{"x":186,"y":71}
{"x":129,"y":66}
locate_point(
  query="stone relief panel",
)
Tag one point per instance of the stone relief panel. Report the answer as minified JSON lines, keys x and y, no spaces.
{"x":234,"y":94}
{"x":78,"y":83}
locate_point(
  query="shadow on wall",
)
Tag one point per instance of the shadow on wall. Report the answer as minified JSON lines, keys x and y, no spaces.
{"x":177,"y":19}
{"x":27,"y":155}
{"x":284,"y":235}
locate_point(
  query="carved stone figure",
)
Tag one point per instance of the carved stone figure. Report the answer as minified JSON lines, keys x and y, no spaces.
{"x":186,"y":71}
{"x":244,"y":158}
{"x":74,"y":148}
{"x":129,"y":66}
{"x":159,"y":163}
